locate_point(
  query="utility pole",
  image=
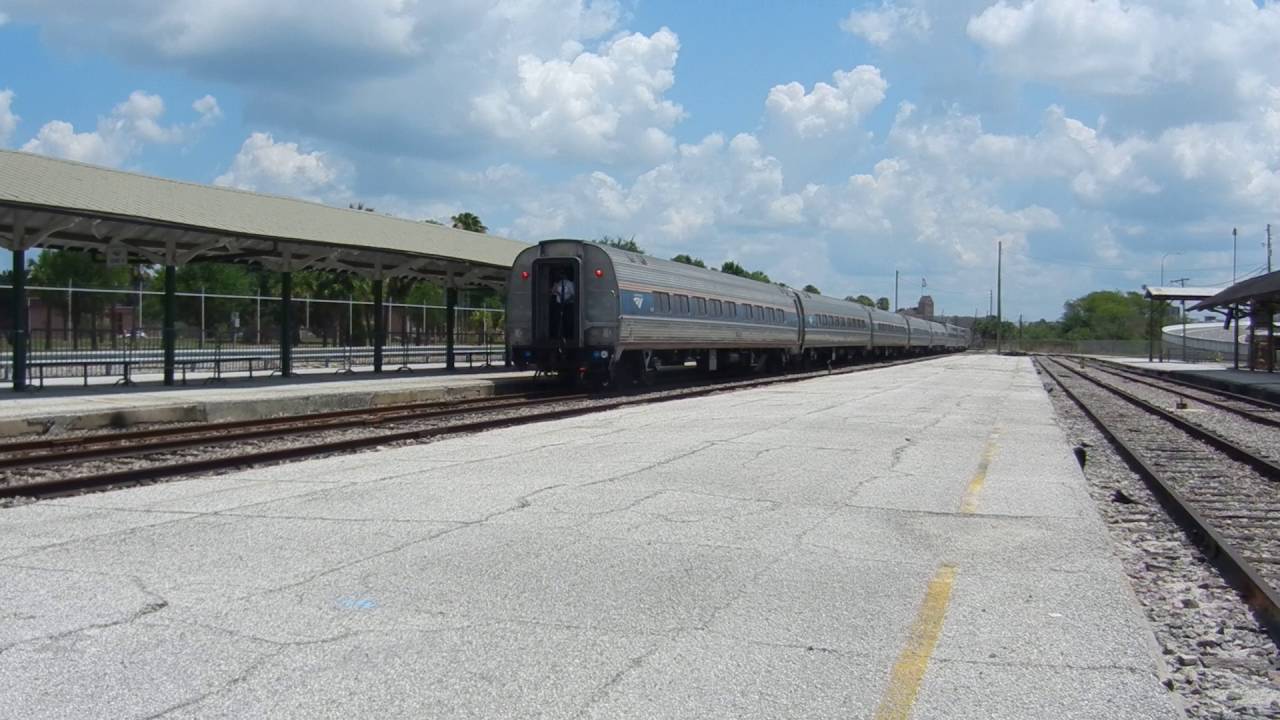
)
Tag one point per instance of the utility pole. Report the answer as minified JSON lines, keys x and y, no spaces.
{"x":1268,"y":247}
{"x":990,"y":303}
{"x":895,"y":290}
{"x":999,"y":293}
{"x":1234,"y":242}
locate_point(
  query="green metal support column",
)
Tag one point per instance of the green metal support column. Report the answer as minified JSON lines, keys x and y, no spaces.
{"x":379,"y":326}
{"x":169,"y":332}
{"x":286,"y":324}
{"x":19,"y":319}
{"x":1151,"y":332}
{"x":450,"y":324}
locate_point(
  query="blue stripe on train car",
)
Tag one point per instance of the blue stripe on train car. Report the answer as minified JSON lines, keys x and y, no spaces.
{"x":636,"y":303}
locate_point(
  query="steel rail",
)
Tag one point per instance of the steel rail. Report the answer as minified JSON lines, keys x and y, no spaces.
{"x":149,"y":473}
{"x":60,"y":443}
{"x":182,"y":438}
{"x":1257,"y":593}
{"x":1167,"y":377}
{"x":1143,"y":379}
{"x":1267,"y":468}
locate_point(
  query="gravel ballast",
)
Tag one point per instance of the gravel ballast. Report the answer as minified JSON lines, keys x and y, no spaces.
{"x":1216,"y":654}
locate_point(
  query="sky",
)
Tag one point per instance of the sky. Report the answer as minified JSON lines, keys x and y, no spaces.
{"x":831,"y":143}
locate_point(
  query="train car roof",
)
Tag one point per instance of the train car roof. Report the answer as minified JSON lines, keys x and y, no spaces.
{"x":821,"y":303}
{"x":694,"y":279}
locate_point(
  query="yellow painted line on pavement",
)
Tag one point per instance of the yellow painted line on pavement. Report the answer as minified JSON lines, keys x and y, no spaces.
{"x":969,"y":504}
{"x":908,"y":672}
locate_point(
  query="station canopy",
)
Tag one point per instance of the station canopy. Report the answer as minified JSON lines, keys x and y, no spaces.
{"x":1174,"y":293}
{"x":49,"y":203}
{"x":1263,"y":289}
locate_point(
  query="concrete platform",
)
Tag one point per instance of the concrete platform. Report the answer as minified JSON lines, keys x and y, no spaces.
{"x":1219,"y":376}
{"x":77,"y":408}
{"x":906,"y":542}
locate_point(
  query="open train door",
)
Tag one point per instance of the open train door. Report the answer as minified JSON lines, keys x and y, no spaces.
{"x":557,"y":302}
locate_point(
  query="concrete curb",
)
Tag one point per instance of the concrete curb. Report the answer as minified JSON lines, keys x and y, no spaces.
{"x":231,"y":410}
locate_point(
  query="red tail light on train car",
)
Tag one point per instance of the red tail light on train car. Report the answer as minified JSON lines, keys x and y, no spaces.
{"x":599,"y":273}
{"x":524,"y":274}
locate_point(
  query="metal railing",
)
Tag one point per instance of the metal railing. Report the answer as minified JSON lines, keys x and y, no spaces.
{"x":105,"y":333}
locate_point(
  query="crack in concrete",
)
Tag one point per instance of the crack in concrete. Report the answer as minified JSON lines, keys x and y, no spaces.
{"x":224,"y":687}
{"x":521,"y":503}
{"x":601,"y":692}
{"x":155,"y":605}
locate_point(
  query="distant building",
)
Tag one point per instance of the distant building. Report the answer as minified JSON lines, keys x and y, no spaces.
{"x":923,"y":309}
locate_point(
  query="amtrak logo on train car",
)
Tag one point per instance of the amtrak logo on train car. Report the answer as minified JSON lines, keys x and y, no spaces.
{"x":636,"y":303}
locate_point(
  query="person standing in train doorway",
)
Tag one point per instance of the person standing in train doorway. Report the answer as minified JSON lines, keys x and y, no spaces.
{"x":563,"y":296}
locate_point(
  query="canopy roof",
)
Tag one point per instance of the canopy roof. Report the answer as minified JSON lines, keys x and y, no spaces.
{"x":1178,"y":293}
{"x":1263,"y":288}
{"x":46,"y":202}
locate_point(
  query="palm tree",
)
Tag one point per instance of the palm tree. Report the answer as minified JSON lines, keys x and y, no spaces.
{"x":469,"y":222}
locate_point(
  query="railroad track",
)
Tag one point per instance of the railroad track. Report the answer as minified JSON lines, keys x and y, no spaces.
{"x":1255,"y":410}
{"x":1227,"y":503}
{"x":142,"y":456}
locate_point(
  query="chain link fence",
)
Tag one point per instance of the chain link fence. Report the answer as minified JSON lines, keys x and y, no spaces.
{"x":113,"y":333}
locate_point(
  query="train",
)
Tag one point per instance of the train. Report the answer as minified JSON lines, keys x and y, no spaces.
{"x":586,"y":311}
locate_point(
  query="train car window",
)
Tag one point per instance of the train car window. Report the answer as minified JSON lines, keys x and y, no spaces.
{"x":782,"y":317}
{"x":731,"y":309}
{"x":662,"y":301}
{"x":760,"y":313}
{"x":700,"y":306}
{"x":746,"y":310}
{"x":682,"y":304}
{"x":716,"y":308}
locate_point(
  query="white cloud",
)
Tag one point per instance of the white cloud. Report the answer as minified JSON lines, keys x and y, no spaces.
{"x":281,"y":168}
{"x":60,"y":139}
{"x":704,"y":189}
{"x":208,"y":109}
{"x":889,"y":23}
{"x":1131,"y":47}
{"x":8,"y":120}
{"x":4,"y":19}
{"x":119,"y":135}
{"x":597,"y":105}
{"x":530,"y":77}
{"x":827,"y":109}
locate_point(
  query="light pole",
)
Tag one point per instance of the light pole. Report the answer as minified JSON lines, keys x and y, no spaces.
{"x":1234,"y":242}
{"x":1162,"y":259}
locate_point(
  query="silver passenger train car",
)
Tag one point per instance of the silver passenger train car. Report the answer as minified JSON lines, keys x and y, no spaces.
{"x":587,"y":310}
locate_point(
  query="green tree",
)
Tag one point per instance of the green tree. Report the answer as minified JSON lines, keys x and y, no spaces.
{"x":812,"y":289}
{"x":1111,"y":315}
{"x":732,"y":268}
{"x":469,"y":222}
{"x":212,"y":279}
{"x":861,"y":300}
{"x":883,"y":303}
{"x":617,"y":241}
{"x":689,"y":260}
{"x":63,"y":268}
